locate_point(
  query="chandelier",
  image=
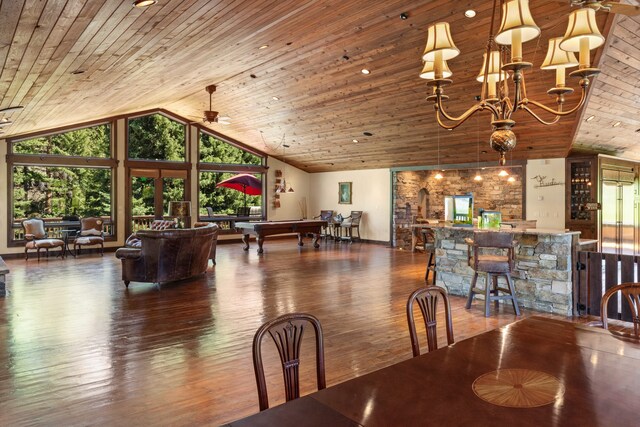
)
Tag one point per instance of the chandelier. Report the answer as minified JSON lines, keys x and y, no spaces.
{"x":517,"y":26}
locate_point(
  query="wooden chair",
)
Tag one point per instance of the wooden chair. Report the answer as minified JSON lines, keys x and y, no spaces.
{"x":493,"y":265}
{"x":90,"y":234}
{"x":325,"y":215}
{"x":427,"y":299}
{"x":350,"y":223}
{"x":287,"y":332}
{"x":630,"y":293}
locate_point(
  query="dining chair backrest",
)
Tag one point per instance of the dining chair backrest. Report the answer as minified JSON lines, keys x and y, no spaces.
{"x":631,"y":294}
{"x":287,"y":332}
{"x":356,"y":216}
{"x":91,"y":226}
{"x":492,"y":240}
{"x":427,"y":299}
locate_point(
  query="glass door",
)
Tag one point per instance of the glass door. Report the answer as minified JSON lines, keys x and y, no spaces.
{"x":150,"y":191}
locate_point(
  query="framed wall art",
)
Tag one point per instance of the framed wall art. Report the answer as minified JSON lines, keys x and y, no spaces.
{"x":344,"y":193}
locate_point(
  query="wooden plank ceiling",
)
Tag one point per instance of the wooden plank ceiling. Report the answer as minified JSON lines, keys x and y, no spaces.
{"x":72,"y":61}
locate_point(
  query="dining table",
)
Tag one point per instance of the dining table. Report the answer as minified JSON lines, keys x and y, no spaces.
{"x":537,"y":371}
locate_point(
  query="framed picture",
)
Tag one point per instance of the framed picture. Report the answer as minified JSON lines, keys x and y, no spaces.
{"x":344,"y":193}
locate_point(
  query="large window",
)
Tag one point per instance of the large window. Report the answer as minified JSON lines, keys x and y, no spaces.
{"x":88,"y":142}
{"x":220,"y":160}
{"x":156,"y":137}
{"x":60,"y":175}
{"x":54,"y":192}
{"x":224,"y":201}
{"x":214,"y":150}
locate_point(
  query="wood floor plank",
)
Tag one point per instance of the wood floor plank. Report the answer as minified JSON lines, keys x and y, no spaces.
{"x":80,"y":349}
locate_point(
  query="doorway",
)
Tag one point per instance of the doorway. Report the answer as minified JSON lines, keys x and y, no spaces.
{"x":150,"y":191}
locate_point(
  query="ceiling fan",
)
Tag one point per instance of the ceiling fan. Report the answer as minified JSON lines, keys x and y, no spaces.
{"x":607,"y":6}
{"x":211,"y":116}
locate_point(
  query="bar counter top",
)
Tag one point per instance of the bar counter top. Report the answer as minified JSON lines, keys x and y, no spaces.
{"x":549,"y":231}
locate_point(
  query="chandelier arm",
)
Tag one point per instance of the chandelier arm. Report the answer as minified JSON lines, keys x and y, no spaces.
{"x":535,"y":116}
{"x":460,"y":120}
{"x":558,"y":112}
{"x":464,"y":116}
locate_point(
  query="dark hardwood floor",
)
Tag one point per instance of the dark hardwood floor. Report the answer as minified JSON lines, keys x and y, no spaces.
{"x":78,"y":348}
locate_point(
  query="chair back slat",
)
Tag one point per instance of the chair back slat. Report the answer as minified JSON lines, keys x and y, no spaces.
{"x":287,"y":332}
{"x":427,"y":300}
{"x":631,"y":298}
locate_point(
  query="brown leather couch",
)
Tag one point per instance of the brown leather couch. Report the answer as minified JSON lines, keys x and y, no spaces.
{"x":168,"y":255}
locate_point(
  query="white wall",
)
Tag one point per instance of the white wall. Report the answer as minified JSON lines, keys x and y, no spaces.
{"x":289,"y":202}
{"x":371,"y":193}
{"x":546,"y":204}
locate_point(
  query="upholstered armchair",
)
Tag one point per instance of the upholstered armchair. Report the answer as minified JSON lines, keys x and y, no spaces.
{"x":90,"y":234}
{"x":168,"y":255}
{"x":36,"y":237}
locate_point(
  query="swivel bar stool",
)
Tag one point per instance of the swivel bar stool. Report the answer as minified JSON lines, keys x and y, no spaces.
{"x":493,"y":265}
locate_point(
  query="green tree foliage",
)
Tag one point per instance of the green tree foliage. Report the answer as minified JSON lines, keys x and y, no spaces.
{"x":156,"y":137}
{"x":49,"y":191}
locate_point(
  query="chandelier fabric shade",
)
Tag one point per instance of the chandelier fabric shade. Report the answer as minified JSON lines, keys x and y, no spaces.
{"x":517,"y":22}
{"x":494,"y":67}
{"x":428,"y":71}
{"x":439,"y":40}
{"x":559,"y":60}
{"x":582,"y":26}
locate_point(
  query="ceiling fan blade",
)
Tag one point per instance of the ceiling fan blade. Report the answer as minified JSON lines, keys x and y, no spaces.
{"x":623,"y":9}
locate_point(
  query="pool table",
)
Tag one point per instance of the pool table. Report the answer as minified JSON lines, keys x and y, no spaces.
{"x":271,"y":228}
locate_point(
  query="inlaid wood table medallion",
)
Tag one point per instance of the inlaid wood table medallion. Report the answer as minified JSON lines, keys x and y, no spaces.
{"x":518,"y":388}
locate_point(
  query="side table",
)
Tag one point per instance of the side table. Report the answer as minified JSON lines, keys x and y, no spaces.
{"x":65,"y":238}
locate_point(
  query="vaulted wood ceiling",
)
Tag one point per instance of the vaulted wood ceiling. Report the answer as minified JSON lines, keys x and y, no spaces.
{"x":163,"y":57}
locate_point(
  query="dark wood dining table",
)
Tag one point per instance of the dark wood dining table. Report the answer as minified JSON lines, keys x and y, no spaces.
{"x":537,"y":372}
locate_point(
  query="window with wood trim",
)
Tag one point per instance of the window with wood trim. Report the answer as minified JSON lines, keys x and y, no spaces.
{"x":63,"y":175}
{"x":220,"y":160}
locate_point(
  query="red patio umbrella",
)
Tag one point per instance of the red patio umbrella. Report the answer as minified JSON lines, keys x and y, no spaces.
{"x":245,"y":183}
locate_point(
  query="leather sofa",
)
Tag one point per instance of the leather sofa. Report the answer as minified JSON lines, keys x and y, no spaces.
{"x":168,"y":255}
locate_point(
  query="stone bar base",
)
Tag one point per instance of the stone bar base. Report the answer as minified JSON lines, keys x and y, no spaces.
{"x":543,"y":266}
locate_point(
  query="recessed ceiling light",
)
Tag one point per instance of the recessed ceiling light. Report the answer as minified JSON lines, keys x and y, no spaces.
{"x":404,"y":16}
{"x":11,"y":109}
{"x":275,"y":98}
{"x":77,"y":72}
{"x":588,"y":119}
{"x":470,"y":13}
{"x":616,"y":124}
{"x":264,"y":46}
{"x":355,"y":140}
{"x":367,"y":133}
{"x":365,"y":71}
{"x":144,"y":3}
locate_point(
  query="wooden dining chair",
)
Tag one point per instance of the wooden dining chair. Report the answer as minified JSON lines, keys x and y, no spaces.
{"x":286,"y":332}
{"x":631,"y":293}
{"x":427,"y":299}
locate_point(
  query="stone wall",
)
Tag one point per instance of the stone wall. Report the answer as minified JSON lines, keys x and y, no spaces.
{"x":492,"y":193}
{"x":542,"y":276}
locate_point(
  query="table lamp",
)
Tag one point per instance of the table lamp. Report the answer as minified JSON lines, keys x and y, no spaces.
{"x":180,"y":210}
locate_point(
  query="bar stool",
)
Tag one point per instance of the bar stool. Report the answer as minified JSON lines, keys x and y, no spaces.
{"x":429,"y":245}
{"x":493,"y":265}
